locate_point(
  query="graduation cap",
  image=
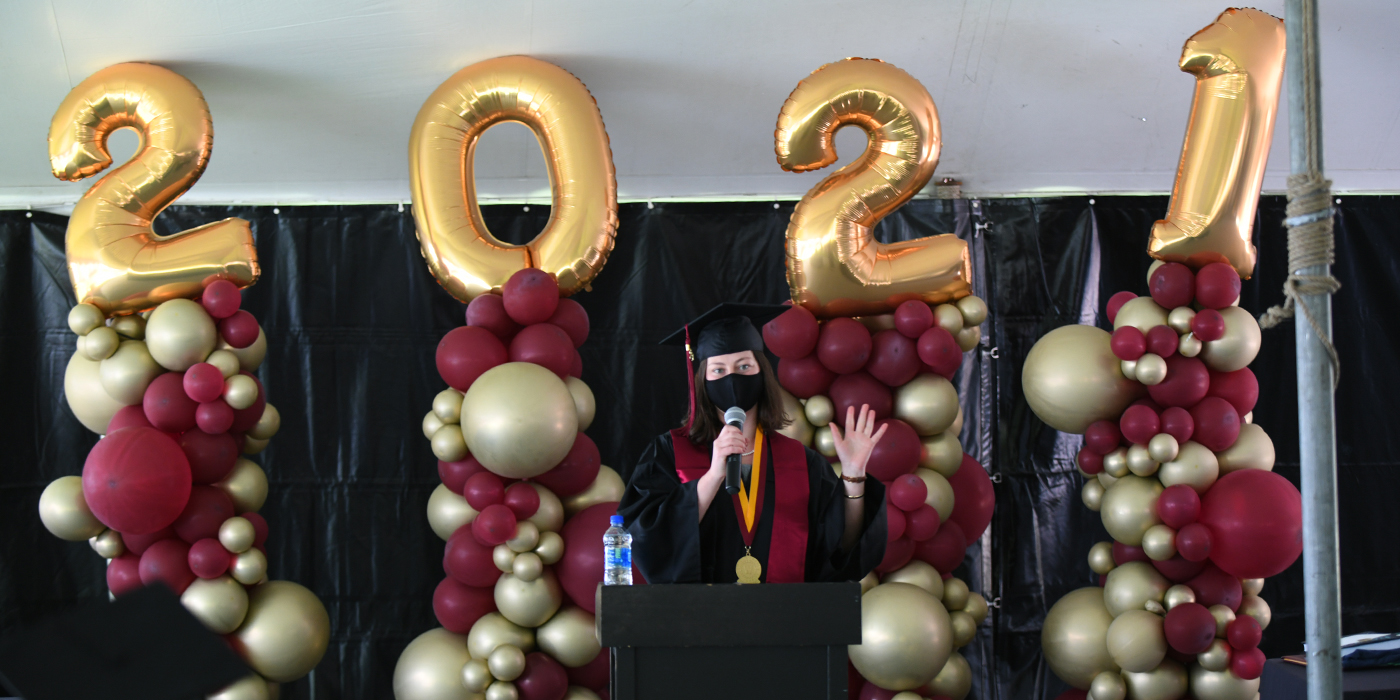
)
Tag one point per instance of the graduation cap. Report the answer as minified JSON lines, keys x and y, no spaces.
{"x":143,"y":646}
{"x":724,"y":329}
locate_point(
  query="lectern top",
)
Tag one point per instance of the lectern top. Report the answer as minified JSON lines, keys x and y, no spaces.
{"x":690,"y":615}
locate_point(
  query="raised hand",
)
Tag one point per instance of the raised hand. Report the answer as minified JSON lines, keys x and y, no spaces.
{"x":853,"y":447}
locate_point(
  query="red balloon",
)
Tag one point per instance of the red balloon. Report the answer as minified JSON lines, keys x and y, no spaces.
{"x":897,"y":554}
{"x":843,"y":345}
{"x":576,"y":472}
{"x":896,"y":453}
{"x":544,"y":344}
{"x":221,"y":299}
{"x":1208,"y":325}
{"x":239,"y":330}
{"x":203,"y":382}
{"x":581,"y":569}
{"x":543,"y":679}
{"x":1186,"y":382}
{"x":483,"y":489}
{"x":1177,"y":422}
{"x":208,"y":507}
{"x":245,"y":418}
{"x":855,"y":390}
{"x":870,"y":691}
{"x":594,"y":674}
{"x":1124,"y":553}
{"x":494,"y":525}
{"x":167,"y":561}
{"x":469,"y":561}
{"x":214,"y":417}
{"x":1189,"y":628}
{"x":458,"y":607}
{"x":1128,"y":343}
{"x":1217,"y":423}
{"x":973,"y":498}
{"x":1193,"y":542}
{"x":1247,"y":664}
{"x":1102,"y":437}
{"x":894,"y":359}
{"x":1240,"y":388}
{"x":454,"y":475}
{"x":1178,"y":506}
{"x":259,"y":527}
{"x":1139,"y":423}
{"x":945,"y":550}
{"x":1116,"y":302}
{"x":136,"y":480}
{"x":576,"y":369}
{"x":488,"y":311}
{"x":1217,"y":286}
{"x":1215,"y":587}
{"x":921,"y":523}
{"x":208,"y":559}
{"x":138,"y":544}
{"x":792,"y":335}
{"x":522,"y":499}
{"x":124,"y":574}
{"x":1162,"y":341}
{"x":1256,"y":523}
{"x":573,"y":319}
{"x":1090,"y":462}
{"x":895,"y":522}
{"x":939,"y":350}
{"x":211,"y":457}
{"x":466,"y":353}
{"x":804,"y":377}
{"x":1172,"y":285}
{"x":908,"y":492}
{"x":128,"y":416}
{"x":912,"y":318}
{"x":1178,"y":569}
{"x":167,"y":406}
{"x":1244,"y":632}
{"x":531,"y":296}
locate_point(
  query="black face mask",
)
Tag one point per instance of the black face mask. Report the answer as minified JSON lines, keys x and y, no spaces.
{"x":742,"y":390}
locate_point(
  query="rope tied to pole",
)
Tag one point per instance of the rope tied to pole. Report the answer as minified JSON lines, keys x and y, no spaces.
{"x":1310,"y":244}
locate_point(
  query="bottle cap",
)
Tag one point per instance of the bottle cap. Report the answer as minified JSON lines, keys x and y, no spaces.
{"x":615,"y":520}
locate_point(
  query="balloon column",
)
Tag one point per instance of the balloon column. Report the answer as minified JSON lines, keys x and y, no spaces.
{"x":1173,"y":463}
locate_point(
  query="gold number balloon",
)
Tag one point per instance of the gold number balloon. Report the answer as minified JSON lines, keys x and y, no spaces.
{"x":460,"y":251}
{"x":835,"y":267}
{"x":1238,"y":64}
{"x":114,"y":259}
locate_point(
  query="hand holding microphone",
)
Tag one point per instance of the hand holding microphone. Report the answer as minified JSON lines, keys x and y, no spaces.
{"x":733,"y":418}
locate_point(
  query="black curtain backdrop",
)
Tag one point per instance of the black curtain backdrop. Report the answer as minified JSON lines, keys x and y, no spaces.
{"x":352,"y":318}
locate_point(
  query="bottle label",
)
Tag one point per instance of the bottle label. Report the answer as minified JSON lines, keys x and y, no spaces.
{"x":620,"y":557}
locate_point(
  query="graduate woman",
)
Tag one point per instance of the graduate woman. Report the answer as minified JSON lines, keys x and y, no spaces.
{"x":794,"y":518}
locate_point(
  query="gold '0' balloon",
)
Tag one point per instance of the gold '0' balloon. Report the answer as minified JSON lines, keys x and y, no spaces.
{"x":1238,"y":64}
{"x":461,"y":253}
{"x":116,"y":262}
{"x":835,"y":266}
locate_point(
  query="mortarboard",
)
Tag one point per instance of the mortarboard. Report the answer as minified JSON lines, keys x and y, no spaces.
{"x":724,"y":329}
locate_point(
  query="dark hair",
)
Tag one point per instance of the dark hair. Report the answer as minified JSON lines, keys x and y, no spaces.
{"x":707,"y":422}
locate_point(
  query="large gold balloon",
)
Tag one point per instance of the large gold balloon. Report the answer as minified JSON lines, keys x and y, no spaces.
{"x":220,"y":603}
{"x":1240,"y":344}
{"x":1074,"y":637}
{"x":116,"y":262}
{"x":1238,"y":64}
{"x":1252,"y":450}
{"x":1221,"y":685}
{"x":126,"y":374}
{"x":430,"y":668}
{"x":286,"y":631}
{"x":246,"y":485}
{"x":1131,"y":586}
{"x":1166,"y":682}
{"x":607,"y":487}
{"x":799,"y":429}
{"x":90,"y":403}
{"x":584,"y":403}
{"x":906,"y":637}
{"x":570,"y":637}
{"x":493,"y":630}
{"x":1195,"y":465}
{"x":529,"y":603}
{"x":180,"y":334}
{"x":1071,"y":379}
{"x":460,"y":251}
{"x":250,"y":687}
{"x":940,"y":492}
{"x":522,"y":420}
{"x":919,"y":573}
{"x":1136,"y":641}
{"x":954,"y":680}
{"x":447,"y":511}
{"x":928,"y":403}
{"x":835,"y":265}
{"x":1129,"y":508}
{"x":65,"y":512}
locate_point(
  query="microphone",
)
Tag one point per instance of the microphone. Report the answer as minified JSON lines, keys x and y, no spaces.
{"x":734,"y":416}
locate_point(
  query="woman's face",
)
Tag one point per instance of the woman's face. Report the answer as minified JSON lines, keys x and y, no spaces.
{"x":733,"y":363}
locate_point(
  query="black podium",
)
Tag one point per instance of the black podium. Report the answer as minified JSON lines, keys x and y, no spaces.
{"x":677,"y":642}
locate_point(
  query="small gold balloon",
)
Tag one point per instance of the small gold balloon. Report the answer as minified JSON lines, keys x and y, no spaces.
{"x":1223,"y":617}
{"x":957,"y":426}
{"x":948,"y":317}
{"x":964,"y":628}
{"x":1071,"y":379}
{"x":1195,"y":465}
{"x":126,"y":374}
{"x":83,"y":318}
{"x":1107,"y":481}
{"x":268,"y":424}
{"x":799,"y":428}
{"x":1222,"y":684}
{"x":1074,"y":637}
{"x":527,"y":535}
{"x":236,"y":535}
{"x":1216,"y":657}
{"x":955,"y":594}
{"x":180,"y":334}
{"x":1101,"y":558}
{"x":570,"y":637}
{"x":1159,"y":542}
{"x":919,"y":573}
{"x":1178,"y":595}
{"x":431,"y":667}
{"x":578,"y":692}
{"x":1166,"y":682}
{"x":252,"y":446}
{"x":240,"y":391}
{"x":551,"y":547}
{"x":109,"y":544}
{"x":606,"y":488}
{"x":249,"y":567}
{"x":943,"y":453}
{"x":82,"y":388}
{"x":448,"y":443}
{"x":928,"y":403}
{"x":493,"y":630}
{"x":1129,"y":368}
{"x":549,"y":517}
{"x":872,"y":580}
{"x":522,"y":420}
{"x":1140,"y":462}
{"x":447,"y":511}
{"x":823,"y":442}
{"x":1108,"y":686}
{"x":447,"y":405}
{"x":220,"y":603}
{"x":1252,"y":450}
{"x":527,"y":566}
{"x":1092,"y":495}
{"x":100,"y":343}
{"x":1240,"y":344}
{"x":1131,"y":585}
{"x":476,"y":676}
{"x":1163,"y":448}
{"x":940,"y":492}
{"x":246,"y":485}
{"x":1136,"y":641}
{"x":65,"y":512}
{"x":251,"y":357}
{"x":226,"y":361}
{"x":968,"y":338}
{"x":1141,"y":313}
{"x":1256,"y":607}
{"x":504,"y":558}
{"x":908,"y":695}
{"x":528,"y":603}
{"x":976,"y":607}
{"x":1153,"y":606}
{"x":1189,"y":345}
{"x":1151,"y":369}
{"x":250,"y":687}
{"x":954,"y":680}
{"x":906,"y":636}
{"x":431,"y":424}
{"x":819,"y":410}
{"x":974,"y":310}
{"x":584,"y":403}
{"x":287,"y":631}
{"x":502,"y":690}
{"x":1129,"y":508}
{"x":1115,"y":463}
{"x":506,"y":662}
{"x":1251,"y":586}
{"x":1180,"y":319}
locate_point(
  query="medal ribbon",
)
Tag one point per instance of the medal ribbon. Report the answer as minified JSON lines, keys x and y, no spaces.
{"x":749,"y":500}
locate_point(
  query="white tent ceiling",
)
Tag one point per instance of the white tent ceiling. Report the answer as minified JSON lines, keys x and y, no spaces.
{"x":312,"y":100}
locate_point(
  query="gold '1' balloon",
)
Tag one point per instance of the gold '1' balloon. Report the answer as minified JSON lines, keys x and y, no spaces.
{"x":461,"y":253}
{"x":835,"y":266}
{"x":116,"y":262}
{"x":1238,"y":64}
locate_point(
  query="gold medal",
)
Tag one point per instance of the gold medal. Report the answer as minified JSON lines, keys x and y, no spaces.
{"x":748,"y":568}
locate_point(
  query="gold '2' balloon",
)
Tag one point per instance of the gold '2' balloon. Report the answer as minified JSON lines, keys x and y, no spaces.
{"x":116,"y":262}
{"x":462,"y":254}
{"x":834,"y":265}
{"x":1238,"y":64}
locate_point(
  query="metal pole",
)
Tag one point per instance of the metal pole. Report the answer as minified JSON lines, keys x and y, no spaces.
{"x":1317,"y":443}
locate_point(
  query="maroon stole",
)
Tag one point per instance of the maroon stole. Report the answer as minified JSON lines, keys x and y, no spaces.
{"x":787,"y":552}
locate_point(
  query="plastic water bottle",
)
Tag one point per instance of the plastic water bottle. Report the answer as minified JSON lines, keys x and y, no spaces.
{"x":617,"y":554}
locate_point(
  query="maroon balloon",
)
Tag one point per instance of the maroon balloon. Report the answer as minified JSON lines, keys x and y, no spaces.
{"x":458,"y":606}
{"x":1162,"y":341}
{"x":167,"y":561}
{"x":1215,"y":587}
{"x":543,"y":679}
{"x":522,"y":499}
{"x":167,"y":406}
{"x":894,"y":359}
{"x":483,"y":489}
{"x":1178,"y":569}
{"x":870,"y":691}
{"x":581,"y":569}
{"x":1139,"y":423}
{"x":1240,"y":388}
{"x":1244,"y":632}
{"x":792,"y":335}
{"x":594,"y":674}
{"x":1217,"y":423}
{"x":854,"y":390}
{"x":221,"y":299}
{"x":124,"y":574}
{"x":1217,"y":286}
{"x":207,"y":509}
{"x":1116,"y":302}
{"x":895,"y":522}
{"x":488,"y":311}
{"x":1208,"y":325}
{"x":1090,"y":462}
{"x":138,"y":544}
{"x":239,"y":330}
{"x":494,"y":525}
{"x":469,"y":561}
{"x":1124,"y":553}
{"x":259,"y":527}
{"x":1186,"y":382}
{"x":897,"y":452}
{"x":1128,"y":343}
{"x":211,"y":457}
{"x":897,"y":554}
{"x":544,"y":344}
{"x":804,"y":377}
{"x":454,"y":475}
{"x":939,"y":350}
{"x":576,"y":472}
{"x":1102,"y":436}
{"x":576,"y":370}
{"x":945,"y":550}
{"x":203,"y":382}
{"x":1256,"y":523}
{"x":128,"y":416}
{"x":1193,"y":542}
{"x":1172,"y":285}
{"x":921,"y":523}
{"x":1247,"y":664}
{"x":973,"y":498}
{"x":1177,"y":422}
{"x":214,"y":417}
{"x":466,"y":353}
{"x":136,"y":480}
{"x":245,"y":418}
{"x":1178,"y":506}
{"x":208,"y":558}
{"x":572,"y":319}
{"x":908,"y":492}
{"x":1189,"y":628}
{"x":531,"y":296}
{"x":912,"y":318}
{"x":843,"y":345}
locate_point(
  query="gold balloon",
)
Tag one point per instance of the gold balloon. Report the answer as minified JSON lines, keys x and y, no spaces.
{"x":1141,"y":313}
{"x":476,"y":676}
{"x":968,"y":338}
{"x":957,"y":426}
{"x":835,"y":265}
{"x":506,"y":663}
{"x":84,"y":318}
{"x":522,"y":420}
{"x":1092,"y":495}
{"x":1195,"y":465}
{"x":1238,"y":64}
{"x":918,"y":573}
{"x":974,"y":310}
{"x":1129,"y":508}
{"x":1159,"y":542}
{"x":948,"y":317}
{"x":1240,"y":344}
{"x":100,"y":343}
{"x":251,"y":687}
{"x":447,"y":512}
{"x":448,"y":444}
{"x":607,"y":487}
{"x":823,"y":442}
{"x":1255,"y":607}
{"x":1071,"y":379}
{"x":1189,"y":345}
{"x":527,"y":566}
{"x":130,"y":327}
{"x":928,"y":403}
{"x":108,"y":544}
{"x":551,"y":548}
{"x":940,"y":492}
{"x":906,"y":637}
{"x":820,"y":410}
{"x":116,"y":262}
{"x":1251,"y":586}
{"x":461,"y":253}
{"x":1252,"y":450}
{"x":431,"y":424}
{"x":578,"y":692}
{"x":240,"y":391}
{"x":1101,"y":558}
{"x":964,"y":628}
{"x":1107,"y":480}
{"x":1115,"y":464}
{"x":246,"y":485}
{"x":1140,"y":462}
{"x":180,"y":334}
{"x":90,"y":403}
{"x":1223,"y":684}
{"x":1177,"y":595}
{"x":954,"y":680}
{"x":943,"y":453}
{"x":1223,"y":617}
{"x":869,"y":582}
{"x":1129,"y":368}
{"x":1163,"y":448}
{"x":252,"y":446}
{"x":65,"y":512}
{"x":528,"y":603}
{"x":799,"y":429}
{"x":1166,"y":682}
{"x":1136,"y":641}
{"x":549,"y":517}
{"x":1074,"y":637}
{"x":249,"y":567}
{"x":502,"y":690}
{"x":251,"y":357}
{"x":268,"y":424}
{"x":569,"y":637}
{"x":220,"y":603}
{"x":126,"y":374}
{"x":1150,"y":369}
{"x":527,"y":535}
{"x":504,"y":558}
{"x":1179,"y":319}
{"x":493,"y":630}
{"x":976,"y":606}
{"x":286,"y":631}
{"x":584,"y":403}
{"x":1131,"y":586}
{"x":447,"y":405}
{"x":430,"y":668}
{"x":1216,"y":657}
{"x":1108,"y":686}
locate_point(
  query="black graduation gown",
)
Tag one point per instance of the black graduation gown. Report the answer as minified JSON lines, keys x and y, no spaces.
{"x":670,"y":544}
